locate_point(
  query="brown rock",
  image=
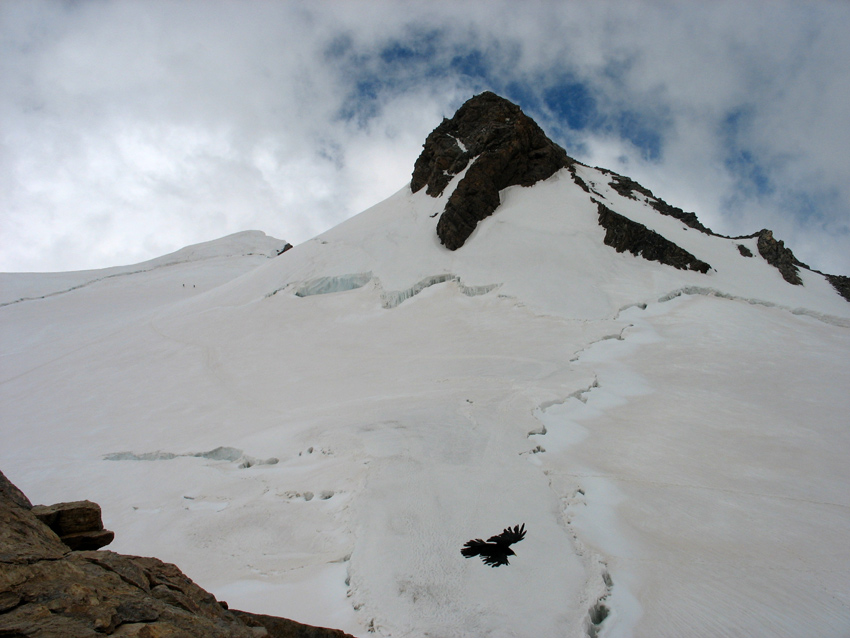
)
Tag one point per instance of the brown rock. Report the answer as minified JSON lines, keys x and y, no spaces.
{"x":509,"y":150}
{"x":88,"y":540}
{"x":627,"y":187}
{"x":623,"y":234}
{"x":78,"y":524}
{"x":23,"y":538}
{"x":70,"y":518}
{"x":10,"y":492}
{"x":283,"y":628}
{"x":777,"y":255}
{"x":841,"y":283}
{"x":47,"y":591}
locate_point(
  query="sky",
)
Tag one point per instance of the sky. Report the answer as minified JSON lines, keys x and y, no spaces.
{"x":130,"y":129}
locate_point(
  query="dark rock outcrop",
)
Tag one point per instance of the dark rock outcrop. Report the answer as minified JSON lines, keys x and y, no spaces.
{"x":499,"y":146}
{"x":777,"y":255}
{"x":49,"y":591}
{"x":508,"y":149}
{"x":78,"y":524}
{"x":841,"y":283}
{"x":282,"y":628}
{"x":626,"y":187}
{"x":623,"y":234}
{"x":745,"y":252}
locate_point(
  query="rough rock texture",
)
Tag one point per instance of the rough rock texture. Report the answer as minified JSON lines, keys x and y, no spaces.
{"x":624,"y":234}
{"x":841,"y":283}
{"x":499,"y":146}
{"x":78,"y":524}
{"x":777,"y":255}
{"x":745,"y":252}
{"x":282,"y":628}
{"x":23,"y":538}
{"x":626,"y":187}
{"x":508,"y":149}
{"x":49,"y":591}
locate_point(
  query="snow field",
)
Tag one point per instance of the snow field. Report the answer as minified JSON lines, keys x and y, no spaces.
{"x":724,"y":485}
{"x":690,"y":480}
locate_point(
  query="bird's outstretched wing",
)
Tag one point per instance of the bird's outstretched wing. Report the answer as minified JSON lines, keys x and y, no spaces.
{"x":509,"y":536}
{"x":496,"y":550}
{"x":491,"y":553}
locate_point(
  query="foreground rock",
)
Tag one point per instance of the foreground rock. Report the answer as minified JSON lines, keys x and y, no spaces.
{"x":79,"y":524}
{"x":49,"y":591}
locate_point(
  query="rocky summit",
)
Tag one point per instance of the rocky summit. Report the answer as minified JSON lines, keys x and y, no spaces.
{"x":505,"y":147}
{"x":494,"y":145}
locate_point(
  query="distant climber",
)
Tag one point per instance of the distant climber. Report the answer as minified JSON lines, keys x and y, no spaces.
{"x":496,"y":550}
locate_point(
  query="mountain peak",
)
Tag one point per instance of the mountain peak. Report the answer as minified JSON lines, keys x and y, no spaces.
{"x":505,"y":148}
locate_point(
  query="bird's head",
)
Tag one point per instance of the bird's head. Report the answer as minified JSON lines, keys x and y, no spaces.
{"x":509,"y":551}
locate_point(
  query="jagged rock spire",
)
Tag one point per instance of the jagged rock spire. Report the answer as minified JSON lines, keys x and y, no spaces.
{"x":511,"y":149}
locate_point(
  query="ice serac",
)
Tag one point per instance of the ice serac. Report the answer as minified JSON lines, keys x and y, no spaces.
{"x":506,"y":148}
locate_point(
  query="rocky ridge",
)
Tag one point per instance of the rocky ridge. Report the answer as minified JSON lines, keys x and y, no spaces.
{"x":500,"y":146}
{"x":777,"y":255}
{"x":48,"y":590}
{"x":623,"y":234}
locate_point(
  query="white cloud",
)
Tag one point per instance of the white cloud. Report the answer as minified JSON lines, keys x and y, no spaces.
{"x":130,"y":129}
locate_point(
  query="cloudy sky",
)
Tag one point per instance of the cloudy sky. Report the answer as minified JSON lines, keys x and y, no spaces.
{"x":130,"y":129}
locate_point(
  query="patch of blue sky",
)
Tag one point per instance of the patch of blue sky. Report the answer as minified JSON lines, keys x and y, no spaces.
{"x":374,"y":74}
{"x":417,"y":47}
{"x":643,"y":131}
{"x":471,"y":64}
{"x":524,"y":94}
{"x":566,"y":106}
{"x":810,"y":208}
{"x":751,"y":172}
{"x":572,"y":102}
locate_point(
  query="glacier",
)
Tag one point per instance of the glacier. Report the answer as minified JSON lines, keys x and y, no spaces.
{"x":675,"y":442}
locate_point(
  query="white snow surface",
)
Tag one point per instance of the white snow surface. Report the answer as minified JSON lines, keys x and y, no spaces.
{"x":315,"y":435}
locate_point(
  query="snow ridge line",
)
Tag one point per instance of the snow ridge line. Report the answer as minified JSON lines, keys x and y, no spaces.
{"x":713,"y":292}
{"x":122,"y":274}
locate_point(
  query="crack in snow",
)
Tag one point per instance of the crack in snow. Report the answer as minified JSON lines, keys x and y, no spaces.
{"x":713,"y":292}
{"x":389,"y":299}
{"x":230,"y":454}
{"x":598,"y":591}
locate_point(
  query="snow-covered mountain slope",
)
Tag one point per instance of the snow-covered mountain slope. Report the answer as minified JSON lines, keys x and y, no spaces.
{"x":250,"y":245}
{"x":318,"y":437}
{"x":105,"y":301}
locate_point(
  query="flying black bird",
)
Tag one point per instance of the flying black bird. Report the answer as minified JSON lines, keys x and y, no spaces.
{"x":496,"y":550}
